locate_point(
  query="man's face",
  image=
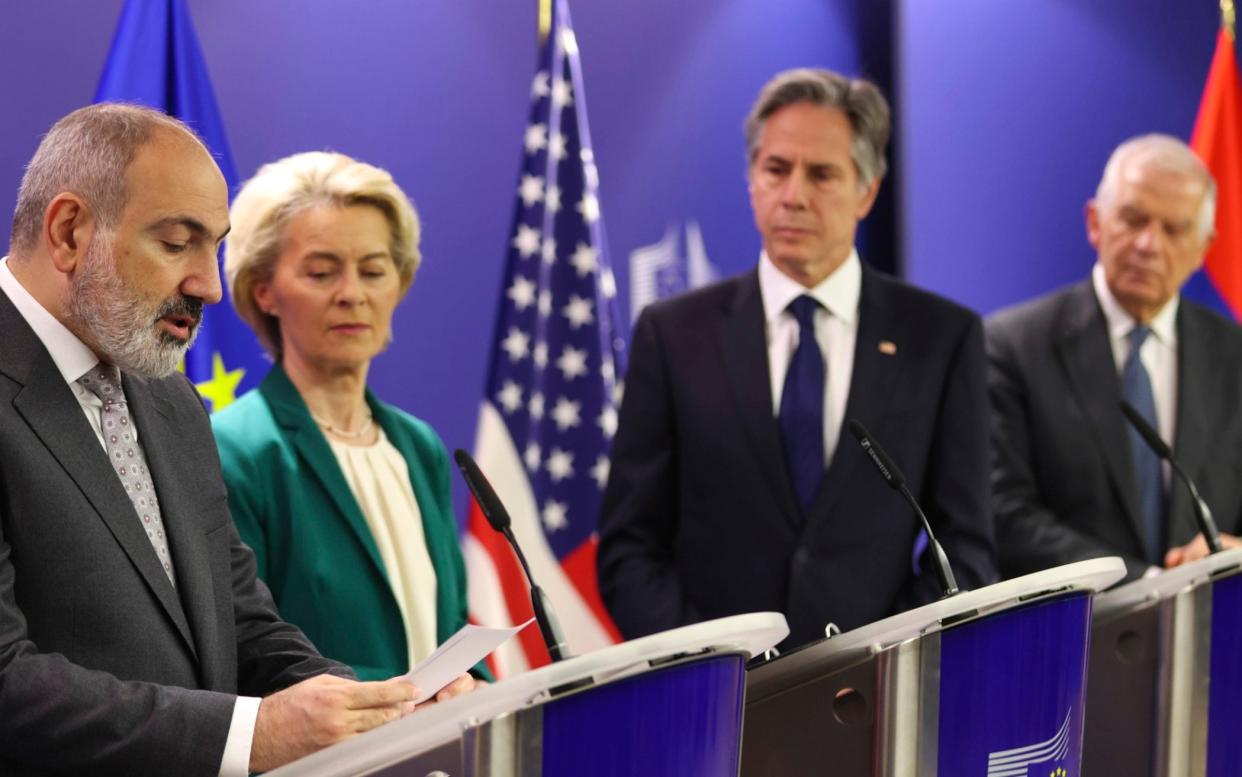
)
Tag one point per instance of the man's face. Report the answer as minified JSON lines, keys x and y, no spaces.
{"x":138,"y":297}
{"x":805,"y":192}
{"x":1147,"y":236}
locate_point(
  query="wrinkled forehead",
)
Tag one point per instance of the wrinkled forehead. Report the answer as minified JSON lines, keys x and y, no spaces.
{"x":1155,"y":182}
{"x":173,"y":176}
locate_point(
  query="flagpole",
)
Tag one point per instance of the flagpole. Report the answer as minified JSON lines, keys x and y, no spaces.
{"x":545,"y":18}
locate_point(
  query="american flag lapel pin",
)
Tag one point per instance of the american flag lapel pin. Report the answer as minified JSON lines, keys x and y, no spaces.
{"x":888,"y":348}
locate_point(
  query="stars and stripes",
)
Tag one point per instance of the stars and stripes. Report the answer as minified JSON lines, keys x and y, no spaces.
{"x":549,"y":411}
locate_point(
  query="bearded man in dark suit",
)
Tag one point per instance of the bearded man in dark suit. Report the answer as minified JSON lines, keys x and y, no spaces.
{"x":732,"y":488}
{"x":134,"y":637}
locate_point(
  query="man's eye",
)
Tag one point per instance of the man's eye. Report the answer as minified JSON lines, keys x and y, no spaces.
{"x":173,"y":248}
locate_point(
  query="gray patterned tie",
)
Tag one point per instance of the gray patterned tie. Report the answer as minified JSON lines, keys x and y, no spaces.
{"x":104,"y":381}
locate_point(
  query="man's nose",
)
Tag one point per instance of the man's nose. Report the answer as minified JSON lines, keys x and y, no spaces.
{"x":794,"y":190}
{"x":203,"y":282}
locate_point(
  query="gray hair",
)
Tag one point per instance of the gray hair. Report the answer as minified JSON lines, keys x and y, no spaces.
{"x":1167,"y":153}
{"x":88,"y":153}
{"x":860,"y":100}
{"x":287,"y":187}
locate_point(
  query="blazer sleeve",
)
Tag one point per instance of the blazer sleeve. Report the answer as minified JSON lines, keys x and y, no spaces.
{"x":955,"y":491}
{"x":1030,"y":536}
{"x":638,"y":518}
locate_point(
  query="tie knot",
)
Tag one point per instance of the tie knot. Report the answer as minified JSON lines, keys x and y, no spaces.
{"x":803,"y":309}
{"x":1138,"y":336}
{"x":104,"y":381}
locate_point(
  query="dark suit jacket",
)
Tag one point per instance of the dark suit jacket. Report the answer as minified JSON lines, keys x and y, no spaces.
{"x":699,"y":518}
{"x":1063,"y":480}
{"x":104,"y":667}
{"x":293,"y":506}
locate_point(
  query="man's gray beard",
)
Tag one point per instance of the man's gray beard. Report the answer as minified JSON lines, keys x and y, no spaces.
{"x":121,"y":323}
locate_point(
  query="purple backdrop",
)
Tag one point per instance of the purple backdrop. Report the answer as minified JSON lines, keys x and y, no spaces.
{"x":1006,"y":112}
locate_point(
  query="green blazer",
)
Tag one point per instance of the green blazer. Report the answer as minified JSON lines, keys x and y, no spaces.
{"x":292,"y":505}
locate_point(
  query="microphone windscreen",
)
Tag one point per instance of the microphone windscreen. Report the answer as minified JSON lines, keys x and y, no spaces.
{"x":483,"y":493}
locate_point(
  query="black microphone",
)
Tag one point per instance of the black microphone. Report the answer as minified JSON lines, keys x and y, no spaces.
{"x":892,"y":476}
{"x":498,"y":517}
{"x":1203,"y":514}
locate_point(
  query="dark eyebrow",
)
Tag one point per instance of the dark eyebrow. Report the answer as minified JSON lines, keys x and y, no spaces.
{"x":194,"y":225}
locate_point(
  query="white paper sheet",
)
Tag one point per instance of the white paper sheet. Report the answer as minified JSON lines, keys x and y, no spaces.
{"x":470,"y":645}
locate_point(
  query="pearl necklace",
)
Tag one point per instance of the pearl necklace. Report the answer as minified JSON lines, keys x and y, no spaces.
{"x":327,"y":427}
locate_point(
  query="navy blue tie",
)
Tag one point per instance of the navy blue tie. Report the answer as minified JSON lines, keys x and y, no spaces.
{"x":802,"y":406}
{"x":1136,"y":389}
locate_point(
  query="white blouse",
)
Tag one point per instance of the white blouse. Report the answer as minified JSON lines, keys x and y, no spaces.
{"x":379,"y":477}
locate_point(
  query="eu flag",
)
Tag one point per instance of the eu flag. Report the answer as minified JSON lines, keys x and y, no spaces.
{"x":155,"y":60}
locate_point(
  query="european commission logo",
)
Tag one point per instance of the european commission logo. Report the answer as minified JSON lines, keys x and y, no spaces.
{"x":1026,"y":761}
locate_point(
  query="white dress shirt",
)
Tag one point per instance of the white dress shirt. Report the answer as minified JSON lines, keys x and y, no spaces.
{"x":836,"y":330}
{"x":1158,"y":354}
{"x":74,"y":359}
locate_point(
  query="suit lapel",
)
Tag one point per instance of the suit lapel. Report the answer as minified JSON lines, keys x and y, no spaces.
{"x":872,"y":381}
{"x":158,"y":434}
{"x":53,"y":413}
{"x":743,"y":346}
{"x":1087,"y":358}
{"x":290,"y":411}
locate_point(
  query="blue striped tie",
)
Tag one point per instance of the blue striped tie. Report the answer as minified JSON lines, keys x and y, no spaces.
{"x":1136,"y":389}
{"x":802,"y":406}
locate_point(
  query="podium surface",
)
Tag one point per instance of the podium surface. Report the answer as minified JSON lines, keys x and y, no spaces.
{"x":987,"y":682}
{"x":679,"y":692}
{"x":1165,"y":698}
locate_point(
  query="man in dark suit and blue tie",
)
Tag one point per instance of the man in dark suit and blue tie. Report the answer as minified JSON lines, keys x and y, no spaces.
{"x":1071,"y":479}
{"x":732,"y":488}
{"x":134,"y":636}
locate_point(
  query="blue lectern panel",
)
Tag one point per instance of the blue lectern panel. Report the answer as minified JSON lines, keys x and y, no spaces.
{"x":1012,"y":691}
{"x":1225,"y":690}
{"x":680,"y":721}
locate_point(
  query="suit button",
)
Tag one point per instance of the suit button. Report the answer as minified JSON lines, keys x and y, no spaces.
{"x":801,"y":557}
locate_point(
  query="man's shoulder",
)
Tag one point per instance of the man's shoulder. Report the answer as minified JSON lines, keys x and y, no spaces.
{"x":1039,"y":317}
{"x":1212,"y":324}
{"x":712,"y":298}
{"x":906,"y":298}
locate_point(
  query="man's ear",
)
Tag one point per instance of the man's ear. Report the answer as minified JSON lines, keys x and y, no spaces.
{"x":69,"y":226}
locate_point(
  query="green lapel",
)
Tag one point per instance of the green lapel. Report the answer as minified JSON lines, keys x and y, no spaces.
{"x":291,"y":413}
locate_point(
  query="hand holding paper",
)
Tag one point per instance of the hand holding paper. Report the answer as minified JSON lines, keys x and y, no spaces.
{"x":470,"y":645}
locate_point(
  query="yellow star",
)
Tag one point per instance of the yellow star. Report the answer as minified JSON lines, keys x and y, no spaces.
{"x":221,"y":390}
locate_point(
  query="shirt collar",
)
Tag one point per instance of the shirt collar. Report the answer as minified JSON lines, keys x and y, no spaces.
{"x":1163,"y":326}
{"x":72,"y":357}
{"x":838,"y":293}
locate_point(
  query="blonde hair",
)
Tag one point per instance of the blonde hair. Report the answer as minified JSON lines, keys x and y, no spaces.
{"x":287,"y":187}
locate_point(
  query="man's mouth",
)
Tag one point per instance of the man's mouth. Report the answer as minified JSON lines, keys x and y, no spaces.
{"x":180,"y":325}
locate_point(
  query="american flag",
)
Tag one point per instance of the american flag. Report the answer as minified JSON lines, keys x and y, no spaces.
{"x":550,"y":409}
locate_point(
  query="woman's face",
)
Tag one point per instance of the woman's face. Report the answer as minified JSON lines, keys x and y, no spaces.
{"x":334,"y":288}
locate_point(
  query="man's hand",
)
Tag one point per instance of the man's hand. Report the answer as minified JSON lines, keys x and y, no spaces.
{"x":464,"y":684}
{"x":322,"y":711}
{"x":1197,"y":549}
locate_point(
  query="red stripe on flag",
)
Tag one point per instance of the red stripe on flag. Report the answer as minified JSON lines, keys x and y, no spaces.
{"x":579,"y":567}
{"x":1217,"y":140}
{"x":513,"y":585}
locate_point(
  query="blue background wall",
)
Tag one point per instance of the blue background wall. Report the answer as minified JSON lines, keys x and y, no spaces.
{"x":1006,"y":112}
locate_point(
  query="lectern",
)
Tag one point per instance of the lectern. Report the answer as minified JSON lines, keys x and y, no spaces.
{"x":665,"y":705}
{"x":988,"y":682}
{"x":1165,"y":698}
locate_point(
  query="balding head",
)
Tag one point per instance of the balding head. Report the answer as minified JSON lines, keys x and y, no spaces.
{"x":88,"y":153}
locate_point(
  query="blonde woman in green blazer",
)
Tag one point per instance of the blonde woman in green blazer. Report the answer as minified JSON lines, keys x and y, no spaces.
{"x":345,"y":499}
